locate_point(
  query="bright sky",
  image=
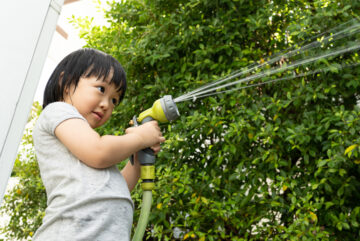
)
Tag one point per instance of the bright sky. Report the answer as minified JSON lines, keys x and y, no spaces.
{"x":60,"y":47}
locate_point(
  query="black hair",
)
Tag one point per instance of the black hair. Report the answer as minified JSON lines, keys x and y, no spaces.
{"x":83,"y":63}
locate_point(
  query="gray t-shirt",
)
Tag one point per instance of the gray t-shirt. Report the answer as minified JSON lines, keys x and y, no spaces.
{"x":83,"y":203}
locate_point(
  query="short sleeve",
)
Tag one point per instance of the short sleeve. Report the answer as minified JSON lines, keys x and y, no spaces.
{"x":55,"y":113}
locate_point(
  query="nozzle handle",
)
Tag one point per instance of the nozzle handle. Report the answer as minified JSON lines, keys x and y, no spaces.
{"x":146,"y":156}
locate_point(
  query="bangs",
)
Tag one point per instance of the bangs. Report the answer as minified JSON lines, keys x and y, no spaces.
{"x":107,"y":68}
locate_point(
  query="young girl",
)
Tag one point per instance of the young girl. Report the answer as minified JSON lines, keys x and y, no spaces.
{"x":88,"y":197}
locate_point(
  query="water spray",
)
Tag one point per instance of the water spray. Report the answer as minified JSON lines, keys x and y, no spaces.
{"x":293,"y":76}
{"x":267,"y":73}
{"x":318,"y":43}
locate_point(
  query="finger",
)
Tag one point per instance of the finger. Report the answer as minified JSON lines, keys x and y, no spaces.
{"x":156,"y":145}
{"x":156,"y":148}
{"x":157,"y":127}
{"x":155,"y":124}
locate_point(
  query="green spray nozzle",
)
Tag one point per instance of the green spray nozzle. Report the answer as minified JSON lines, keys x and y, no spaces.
{"x":163,"y":110}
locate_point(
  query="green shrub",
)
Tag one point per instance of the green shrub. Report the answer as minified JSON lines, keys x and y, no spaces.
{"x":261,"y":163}
{"x":273,"y":162}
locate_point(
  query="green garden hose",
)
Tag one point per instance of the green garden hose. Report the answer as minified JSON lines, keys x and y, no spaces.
{"x":144,"y":215}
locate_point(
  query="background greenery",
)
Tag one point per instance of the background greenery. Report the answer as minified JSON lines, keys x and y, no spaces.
{"x":26,"y":202}
{"x":276,"y":162}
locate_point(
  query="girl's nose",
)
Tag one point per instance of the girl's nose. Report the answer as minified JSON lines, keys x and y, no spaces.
{"x":104,"y":104}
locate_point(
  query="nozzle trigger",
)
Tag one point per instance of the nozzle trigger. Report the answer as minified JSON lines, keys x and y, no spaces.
{"x":135,"y":124}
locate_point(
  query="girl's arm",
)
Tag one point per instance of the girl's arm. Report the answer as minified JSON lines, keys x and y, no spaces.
{"x":104,"y":151}
{"x":131,"y":173}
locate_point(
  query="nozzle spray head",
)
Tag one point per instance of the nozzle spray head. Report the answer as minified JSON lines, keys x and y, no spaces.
{"x":163,"y":110}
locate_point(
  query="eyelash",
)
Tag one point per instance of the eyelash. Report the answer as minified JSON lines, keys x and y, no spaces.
{"x":114,"y":101}
{"x":102,"y":90}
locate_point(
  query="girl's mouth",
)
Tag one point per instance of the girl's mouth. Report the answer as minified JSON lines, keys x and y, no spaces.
{"x":99,"y":115}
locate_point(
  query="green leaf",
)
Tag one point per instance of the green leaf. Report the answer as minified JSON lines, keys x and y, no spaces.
{"x":346,"y":226}
{"x":350,"y":148}
{"x":328,"y":205}
{"x":322,"y":163}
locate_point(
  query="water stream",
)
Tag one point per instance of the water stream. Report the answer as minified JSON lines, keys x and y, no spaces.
{"x":309,"y":51}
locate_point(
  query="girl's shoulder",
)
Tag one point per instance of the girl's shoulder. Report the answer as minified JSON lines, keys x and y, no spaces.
{"x":55,"y":113}
{"x":60,"y":110}
{"x":58,"y":106}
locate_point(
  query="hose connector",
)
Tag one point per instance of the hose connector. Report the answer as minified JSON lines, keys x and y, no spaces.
{"x":148,"y":177}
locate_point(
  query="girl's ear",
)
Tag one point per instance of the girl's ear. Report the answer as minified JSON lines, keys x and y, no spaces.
{"x":66,"y":90}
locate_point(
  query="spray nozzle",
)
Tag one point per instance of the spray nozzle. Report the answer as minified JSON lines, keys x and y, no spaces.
{"x":163,"y":110}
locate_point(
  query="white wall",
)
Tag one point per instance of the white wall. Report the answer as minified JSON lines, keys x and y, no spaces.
{"x":26,"y":32}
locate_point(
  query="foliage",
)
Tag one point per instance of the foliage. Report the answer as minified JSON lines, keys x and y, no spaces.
{"x":275,"y":162}
{"x":26,"y":201}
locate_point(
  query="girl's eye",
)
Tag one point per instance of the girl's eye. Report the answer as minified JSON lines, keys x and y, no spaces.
{"x":101,"y":89}
{"x":114,"y":101}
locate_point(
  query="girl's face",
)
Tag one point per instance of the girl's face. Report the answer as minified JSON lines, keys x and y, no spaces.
{"x":94,"y":98}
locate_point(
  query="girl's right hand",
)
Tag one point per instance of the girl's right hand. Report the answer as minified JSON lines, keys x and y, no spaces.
{"x":149,"y":133}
